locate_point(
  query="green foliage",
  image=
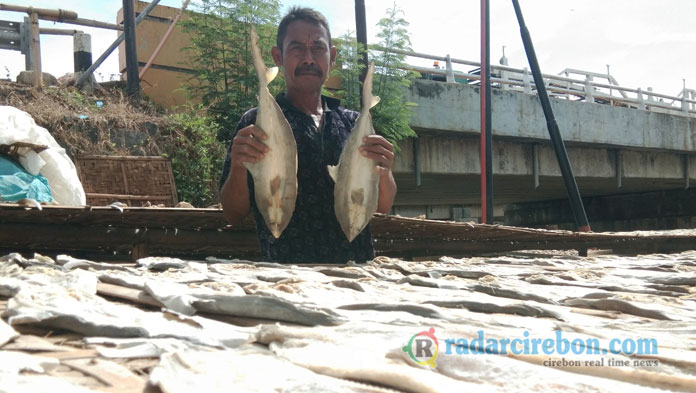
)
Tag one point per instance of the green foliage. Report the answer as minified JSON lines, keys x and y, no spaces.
{"x":348,"y":69}
{"x":197,"y":157}
{"x":220,"y":55}
{"x":392,"y":115}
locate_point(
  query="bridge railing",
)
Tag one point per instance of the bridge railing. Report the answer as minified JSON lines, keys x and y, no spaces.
{"x":587,"y":89}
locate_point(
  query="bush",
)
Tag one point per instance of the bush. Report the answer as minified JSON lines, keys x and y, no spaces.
{"x":197,"y":157}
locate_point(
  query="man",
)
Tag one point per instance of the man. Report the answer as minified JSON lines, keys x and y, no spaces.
{"x":320,"y":127}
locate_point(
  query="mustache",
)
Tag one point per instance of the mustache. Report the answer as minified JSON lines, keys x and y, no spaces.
{"x":308,"y":69}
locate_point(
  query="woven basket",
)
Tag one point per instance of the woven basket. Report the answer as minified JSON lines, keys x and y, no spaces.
{"x":130,"y":180}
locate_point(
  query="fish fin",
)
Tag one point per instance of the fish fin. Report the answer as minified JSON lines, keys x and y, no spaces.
{"x":375,"y":101}
{"x":333,"y":171}
{"x":358,"y":196}
{"x":271,"y":73}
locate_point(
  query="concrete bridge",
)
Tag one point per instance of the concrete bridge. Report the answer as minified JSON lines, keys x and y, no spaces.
{"x":612,"y":150}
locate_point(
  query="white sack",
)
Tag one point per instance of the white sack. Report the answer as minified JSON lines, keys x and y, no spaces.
{"x":53,"y":163}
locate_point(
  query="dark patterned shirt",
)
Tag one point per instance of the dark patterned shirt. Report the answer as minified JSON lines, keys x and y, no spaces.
{"x":313,"y":234}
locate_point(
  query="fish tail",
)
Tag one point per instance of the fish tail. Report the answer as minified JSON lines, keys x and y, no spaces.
{"x":369,"y":100}
{"x":265,"y":75}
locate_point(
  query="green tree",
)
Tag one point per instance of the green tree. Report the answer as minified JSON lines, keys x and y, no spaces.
{"x":392,"y":115}
{"x":348,"y":69}
{"x":220,"y":55}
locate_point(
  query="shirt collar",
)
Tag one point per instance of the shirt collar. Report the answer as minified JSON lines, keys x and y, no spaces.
{"x":329,"y":104}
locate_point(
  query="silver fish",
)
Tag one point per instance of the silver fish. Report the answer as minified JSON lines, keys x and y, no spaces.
{"x":357,"y":183}
{"x":275,"y":176}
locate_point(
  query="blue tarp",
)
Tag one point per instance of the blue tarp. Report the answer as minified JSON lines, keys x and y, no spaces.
{"x":16,"y":183}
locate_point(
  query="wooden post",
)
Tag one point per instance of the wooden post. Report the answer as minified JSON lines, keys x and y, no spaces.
{"x":36,"y":49}
{"x":133,"y":80}
{"x":25,"y":43}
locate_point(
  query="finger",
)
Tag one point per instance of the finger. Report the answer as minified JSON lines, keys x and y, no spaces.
{"x":377,"y":153}
{"x":378,"y":140}
{"x":250,"y":141}
{"x":250,"y":150}
{"x":380,"y":160}
{"x":253,"y":131}
{"x":241,"y":158}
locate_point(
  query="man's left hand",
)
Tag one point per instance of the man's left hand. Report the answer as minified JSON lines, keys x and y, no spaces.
{"x":380,"y":150}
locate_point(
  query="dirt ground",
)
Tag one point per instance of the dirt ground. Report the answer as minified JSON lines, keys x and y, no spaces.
{"x":84,"y":122}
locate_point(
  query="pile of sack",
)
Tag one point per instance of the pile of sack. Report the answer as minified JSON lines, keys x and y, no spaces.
{"x":33,"y":165}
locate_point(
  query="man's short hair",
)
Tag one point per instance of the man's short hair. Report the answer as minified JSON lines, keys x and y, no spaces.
{"x":301,"y":13}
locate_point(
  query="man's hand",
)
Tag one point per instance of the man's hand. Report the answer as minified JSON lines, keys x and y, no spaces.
{"x":234,"y":194}
{"x":377,"y":148}
{"x":247,"y":146}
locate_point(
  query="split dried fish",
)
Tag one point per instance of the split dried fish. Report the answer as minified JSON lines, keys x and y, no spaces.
{"x":15,"y":362}
{"x":271,"y":308}
{"x":275,"y":176}
{"x":7,"y":334}
{"x":61,"y":306}
{"x":357,"y":182}
{"x":245,"y":370}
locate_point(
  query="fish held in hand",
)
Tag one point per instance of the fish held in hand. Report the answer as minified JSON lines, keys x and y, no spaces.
{"x":357,"y":182}
{"x":275,"y":176}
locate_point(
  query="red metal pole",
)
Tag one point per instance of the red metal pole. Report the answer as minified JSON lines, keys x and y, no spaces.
{"x":486,"y":132}
{"x":164,"y":39}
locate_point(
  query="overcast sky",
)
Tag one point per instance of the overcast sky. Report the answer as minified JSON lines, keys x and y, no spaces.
{"x":645,"y":43}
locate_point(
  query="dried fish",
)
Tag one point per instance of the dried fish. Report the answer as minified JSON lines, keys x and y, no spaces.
{"x":526,"y":310}
{"x":15,"y":362}
{"x":350,"y":284}
{"x":267,"y":307}
{"x":275,"y":176}
{"x":357,"y":362}
{"x":618,"y":305}
{"x":133,"y":348}
{"x":38,"y":384}
{"x":357,"y":182}
{"x":7,"y":334}
{"x":333,"y":328}
{"x":70,"y":263}
{"x":244,"y":369}
{"x":61,"y":306}
{"x":415,"y":309}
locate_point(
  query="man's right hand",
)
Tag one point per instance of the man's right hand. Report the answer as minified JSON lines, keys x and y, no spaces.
{"x":247,"y":146}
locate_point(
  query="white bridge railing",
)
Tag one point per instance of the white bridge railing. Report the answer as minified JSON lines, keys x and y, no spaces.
{"x":564,"y":86}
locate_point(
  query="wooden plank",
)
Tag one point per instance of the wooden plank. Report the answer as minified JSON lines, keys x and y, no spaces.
{"x":75,"y":354}
{"x":117,"y":378}
{"x":129,"y":197}
{"x":196,"y":233}
{"x":32,"y":343}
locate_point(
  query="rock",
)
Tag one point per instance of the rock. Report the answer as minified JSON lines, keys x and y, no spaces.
{"x":184,"y":205}
{"x":27,"y":78}
{"x":68,"y":79}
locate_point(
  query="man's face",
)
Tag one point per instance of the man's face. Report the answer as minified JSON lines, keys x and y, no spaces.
{"x":306,"y":56}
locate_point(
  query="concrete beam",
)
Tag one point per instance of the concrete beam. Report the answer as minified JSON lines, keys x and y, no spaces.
{"x":454,"y":108}
{"x":444,"y":154}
